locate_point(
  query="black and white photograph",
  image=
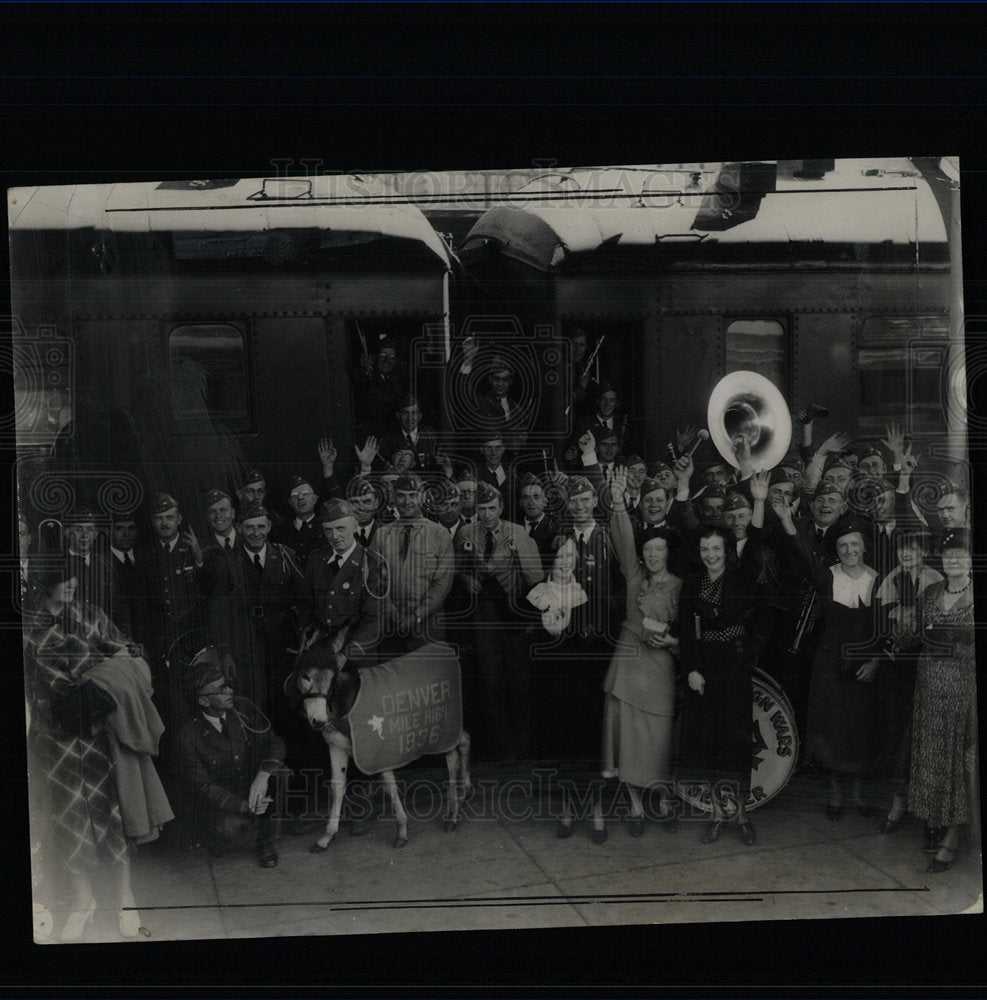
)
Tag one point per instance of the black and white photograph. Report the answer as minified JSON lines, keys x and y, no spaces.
{"x":476,"y":550}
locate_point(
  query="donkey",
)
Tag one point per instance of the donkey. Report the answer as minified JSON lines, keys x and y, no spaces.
{"x":327,"y":695}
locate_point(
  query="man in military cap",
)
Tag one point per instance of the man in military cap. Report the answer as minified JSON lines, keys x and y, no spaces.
{"x":379,"y":386}
{"x":872,"y":461}
{"x":231,"y":775}
{"x":251,"y":604}
{"x":223,"y":541}
{"x":710,"y":504}
{"x":497,"y":409}
{"x":302,"y":534}
{"x":344,"y":594}
{"x":749,"y":552}
{"x":578,"y":660}
{"x":792,"y":468}
{"x":890,"y":509}
{"x":253,"y":490}
{"x":419,"y":558}
{"x":498,"y":563}
{"x":606,"y":422}
{"x":410,"y":434}
{"x":494,"y":471}
{"x":466,"y":483}
{"x":365,"y":503}
{"x":169,"y":611}
{"x":444,"y":506}
{"x":92,"y":570}
{"x":543,"y":528}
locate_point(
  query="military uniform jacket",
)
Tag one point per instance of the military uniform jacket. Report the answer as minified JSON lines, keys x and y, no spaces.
{"x":126,"y":584}
{"x":545,"y":535}
{"x":424,"y":448}
{"x":217,"y":770}
{"x":598,"y":572}
{"x":350,"y":602}
{"x":302,"y":541}
{"x":95,"y":581}
{"x":246,"y":603}
{"x":170,"y":601}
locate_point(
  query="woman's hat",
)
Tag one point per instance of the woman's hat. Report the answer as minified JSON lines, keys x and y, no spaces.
{"x":956,"y":538}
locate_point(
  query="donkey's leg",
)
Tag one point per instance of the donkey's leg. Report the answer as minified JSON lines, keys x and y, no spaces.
{"x":338,"y":759}
{"x":400,"y":815}
{"x":452,"y":813}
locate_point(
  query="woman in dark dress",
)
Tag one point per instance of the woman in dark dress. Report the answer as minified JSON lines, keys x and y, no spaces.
{"x":722,"y":628}
{"x":840,"y":730}
{"x":944,"y":724}
{"x":62,"y":640}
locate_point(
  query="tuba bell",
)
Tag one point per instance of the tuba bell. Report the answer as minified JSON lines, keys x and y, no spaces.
{"x":745,"y":405}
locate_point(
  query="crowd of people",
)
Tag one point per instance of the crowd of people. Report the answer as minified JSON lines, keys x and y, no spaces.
{"x":613,"y":605}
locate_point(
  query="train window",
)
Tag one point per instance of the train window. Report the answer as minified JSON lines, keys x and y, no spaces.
{"x":758,"y":345}
{"x":217,"y":353}
{"x":898,"y":384}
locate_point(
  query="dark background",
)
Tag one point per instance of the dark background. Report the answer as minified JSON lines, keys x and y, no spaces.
{"x":93,"y":93}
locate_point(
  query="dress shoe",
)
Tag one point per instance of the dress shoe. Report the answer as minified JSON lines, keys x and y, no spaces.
{"x":889,"y":825}
{"x":834,"y":813}
{"x":600,"y":836}
{"x":748,"y":835}
{"x":712,"y":834}
{"x":635,"y":825}
{"x":267,"y":857}
{"x":563,"y":830}
{"x":937,"y":864}
{"x":77,"y":922}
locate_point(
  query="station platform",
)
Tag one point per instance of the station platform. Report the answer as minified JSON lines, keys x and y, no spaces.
{"x":505,"y":868}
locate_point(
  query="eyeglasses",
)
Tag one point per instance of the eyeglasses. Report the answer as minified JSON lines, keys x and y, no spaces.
{"x":222,"y":689}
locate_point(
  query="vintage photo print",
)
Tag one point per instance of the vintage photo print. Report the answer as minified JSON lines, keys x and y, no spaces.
{"x":477,"y":550}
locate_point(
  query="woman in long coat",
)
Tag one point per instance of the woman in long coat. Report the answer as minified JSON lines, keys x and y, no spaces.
{"x":842,"y":699}
{"x":639,"y":703}
{"x":62,"y":640}
{"x":722,"y":628}
{"x":944,"y":725}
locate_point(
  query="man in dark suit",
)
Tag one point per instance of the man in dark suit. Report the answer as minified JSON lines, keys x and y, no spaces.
{"x":543,"y":528}
{"x":251,"y":606}
{"x":410,"y":433}
{"x":126,"y":575}
{"x":253,"y":490}
{"x":92,"y":571}
{"x":226,"y":769}
{"x":303,"y":533}
{"x":495,"y":472}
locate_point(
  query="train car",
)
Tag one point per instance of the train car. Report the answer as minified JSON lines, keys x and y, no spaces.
{"x":834,"y":282}
{"x":169,"y":335}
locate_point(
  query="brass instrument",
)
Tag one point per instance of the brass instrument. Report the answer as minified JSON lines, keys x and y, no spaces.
{"x":745,"y":406}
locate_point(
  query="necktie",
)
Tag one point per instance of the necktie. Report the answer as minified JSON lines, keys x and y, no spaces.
{"x":408,"y":440}
{"x":581,"y":547}
{"x":128,"y":558}
{"x":333,"y":564}
{"x":530,"y":525}
{"x":224,"y":726}
{"x":229,"y":544}
{"x":488,"y":545}
{"x":405,"y":542}
{"x":257,"y":562}
{"x":362,"y":535}
{"x":820,"y":533}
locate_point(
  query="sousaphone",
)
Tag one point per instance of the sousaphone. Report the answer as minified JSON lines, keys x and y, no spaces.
{"x":749,"y":406}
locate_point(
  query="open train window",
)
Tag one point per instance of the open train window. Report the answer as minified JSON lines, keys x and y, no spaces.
{"x":759,"y":345}
{"x":214,"y":355}
{"x":900,"y":361}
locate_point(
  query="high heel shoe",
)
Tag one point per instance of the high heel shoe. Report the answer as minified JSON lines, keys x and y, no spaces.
{"x":889,"y":825}
{"x":600,"y":836}
{"x":748,"y":835}
{"x":76,"y":923}
{"x":937,"y":865}
{"x":712,"y":834}
{"x":130,"y":923}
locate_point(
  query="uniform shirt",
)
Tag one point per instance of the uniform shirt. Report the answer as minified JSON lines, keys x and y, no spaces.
{"x":513,"y":550}
{"x":420,"y":582}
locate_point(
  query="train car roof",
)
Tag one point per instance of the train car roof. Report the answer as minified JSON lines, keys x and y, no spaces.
{"x":236,"y":207}
{"x":893,"y":206}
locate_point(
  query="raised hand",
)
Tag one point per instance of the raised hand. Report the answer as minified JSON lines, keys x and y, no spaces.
{"x":780,"y":506}
{"x":895,"y":440}
{"x":908,"y":460}
{"x":835,"y":442}
{"x":683,"y":469}
{"x":587,"y":443}
{"x":327,"y":453}
{"x":618,"y":482}
{"x":193,"y":543}
{"x":368,"y":452}
{"x":470,"y":350}
{"x":759,"y":485}
{"x":444,"y":462}
{"x":684,"y":438}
